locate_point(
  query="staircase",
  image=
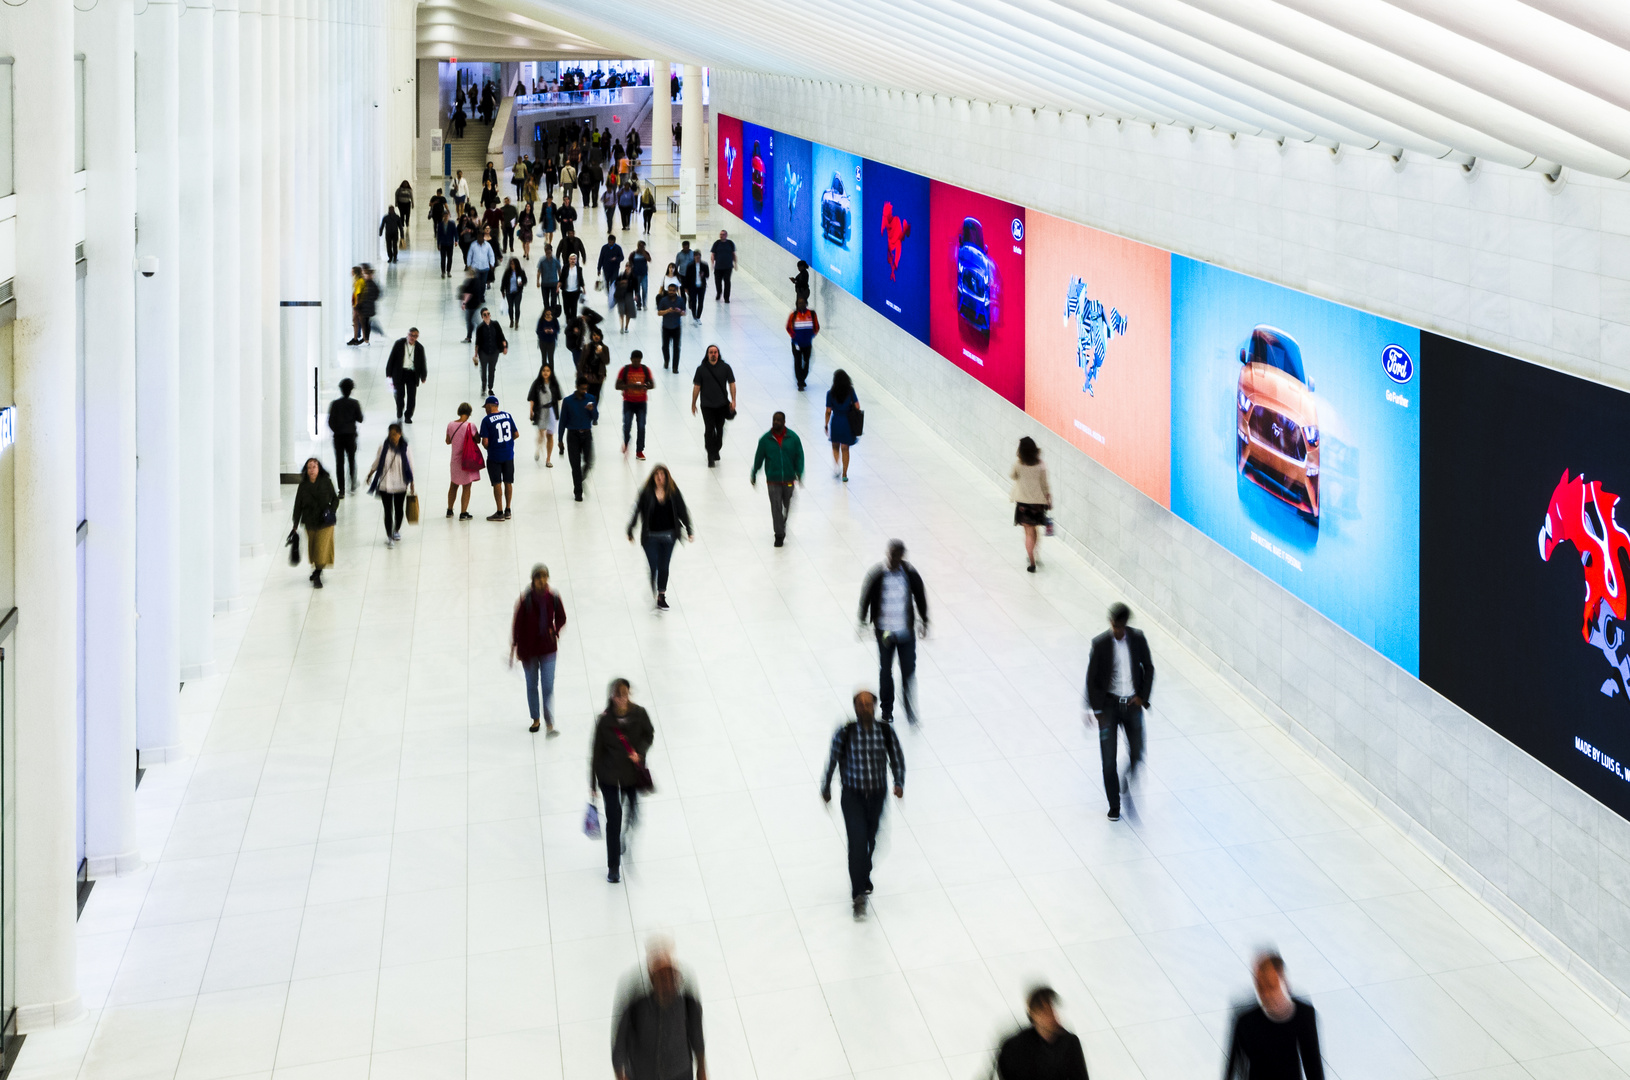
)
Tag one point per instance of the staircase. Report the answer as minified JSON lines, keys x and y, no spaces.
{"x":470,"y":153}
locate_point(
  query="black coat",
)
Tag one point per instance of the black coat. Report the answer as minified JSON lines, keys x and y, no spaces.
{"x":646,"y":504}
{"x":871,"y":598}
{"x":313,"y":499}
{"x":1101,"y":668}
{"x":396,"y":366}
{"x":608,"y":761}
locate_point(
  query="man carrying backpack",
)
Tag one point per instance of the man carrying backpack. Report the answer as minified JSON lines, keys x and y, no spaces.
{"x":863,"y":750}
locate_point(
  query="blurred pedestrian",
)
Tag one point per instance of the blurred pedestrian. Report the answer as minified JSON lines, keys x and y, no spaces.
{"x":543,"y":399}
{"x":617,"y":767}
{"x":1044,"y":1050}
{"x":534,"y":640}
{"x":893,"y":600}
{"x":1031,"y":496}
{"x":1120,"y":676}
{"x":405,"y":374}
{"x":671,"y":310}
{"x":314,"y":504}
{"x":391,"y":227}
{"x":715,"y":387}
{"x":344,"y":414}
{"x":660,"y":1030}
{"x":1278,"y":1037}
{"x":465,"y":462}
{"x":490,"y":344}
{"x":513,"y":286}
{"x":841,"y":401}
{"x":635,"y":381}
{"x":391,"y":478}
{"x":781,"y":456}
{"x":577,"y":428}
{"x":802,"y":326}
{"x":660,"y":510}
{"x":863,"y":751}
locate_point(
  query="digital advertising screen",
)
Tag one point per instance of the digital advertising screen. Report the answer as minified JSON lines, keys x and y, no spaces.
{"x":1524,"y":563}
{"x":795,"y":191}
{"x":730,"y":163}
{"x":895,"y":254}
{"x":976,"y":286}
{"x":835,"y":227}
{"x":1295,"y":444}
{"x":1097,"y":362}
{"x":758,"y":178}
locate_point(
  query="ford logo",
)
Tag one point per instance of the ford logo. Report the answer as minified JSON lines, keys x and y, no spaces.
{"x":1017,"y":230}
{"x":1396,"y":363}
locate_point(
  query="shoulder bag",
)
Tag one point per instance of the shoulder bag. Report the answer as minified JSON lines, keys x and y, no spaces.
{"x":642,"y":776}
{"x":470,"y":456}
{"x":857,"y":418}
{"x":729,"y":412}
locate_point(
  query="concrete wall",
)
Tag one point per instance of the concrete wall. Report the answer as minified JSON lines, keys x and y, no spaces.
{"x":1501,"y":258}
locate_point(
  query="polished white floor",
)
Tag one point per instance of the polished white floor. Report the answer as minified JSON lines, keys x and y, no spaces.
{"x":368,"y":868}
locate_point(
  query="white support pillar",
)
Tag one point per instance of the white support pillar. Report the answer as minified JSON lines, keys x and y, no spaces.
{"x":196,"y":181}
{"x":47,"y":586}
{"x":662,"y":127}
{"x":691,"y":148}
{"x":253,"y":309}
{"x":158,"y":382}
{"x":299,"y":299}
{"x":107,"y":37}
{"x":229,"y":323}
{"x":271,"y":252}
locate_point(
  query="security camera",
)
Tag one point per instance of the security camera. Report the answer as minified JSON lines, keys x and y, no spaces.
{"x":148,"y":265}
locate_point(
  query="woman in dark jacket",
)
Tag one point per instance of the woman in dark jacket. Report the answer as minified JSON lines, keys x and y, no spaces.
{"x":513,"y":286}
{"x":544,"y":398}
{"x":622,"y":736}
{"x":625,"y":294}
{"x":660,"y":510}
{"x":314,"y":503}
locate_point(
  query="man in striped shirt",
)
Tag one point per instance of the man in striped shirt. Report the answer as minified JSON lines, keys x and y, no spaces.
{"x":863,"y":751}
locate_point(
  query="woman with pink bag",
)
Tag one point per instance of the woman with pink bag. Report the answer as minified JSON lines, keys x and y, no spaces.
{"x":466,"y":463}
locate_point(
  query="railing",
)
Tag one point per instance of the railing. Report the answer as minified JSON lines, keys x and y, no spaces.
{"x":622,"y":95}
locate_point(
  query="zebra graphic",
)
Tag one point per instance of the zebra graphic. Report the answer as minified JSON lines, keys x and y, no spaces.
{"x":1094,"y":326}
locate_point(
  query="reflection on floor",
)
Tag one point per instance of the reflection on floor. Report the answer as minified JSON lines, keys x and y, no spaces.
{"x":370,"y":868}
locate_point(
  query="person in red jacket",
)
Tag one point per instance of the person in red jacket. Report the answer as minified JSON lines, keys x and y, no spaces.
{"x":534,"y":637}
{"x":635,"y":381}
{"x":802,"y":326}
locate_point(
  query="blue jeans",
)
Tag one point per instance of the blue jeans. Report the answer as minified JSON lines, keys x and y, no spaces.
{"x":633,"y":410}
{"x":540,"y":683}
{"x":644,"y":283}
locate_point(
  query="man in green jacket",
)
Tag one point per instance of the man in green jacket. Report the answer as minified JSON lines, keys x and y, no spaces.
{"x":781,"y":456}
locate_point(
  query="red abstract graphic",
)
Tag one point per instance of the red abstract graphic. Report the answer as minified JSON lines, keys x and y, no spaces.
{"x":895,"y":230}
{"x":1582,"y":513}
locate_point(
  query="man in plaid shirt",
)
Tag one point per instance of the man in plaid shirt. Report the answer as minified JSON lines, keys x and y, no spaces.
{"x":864,"y":750}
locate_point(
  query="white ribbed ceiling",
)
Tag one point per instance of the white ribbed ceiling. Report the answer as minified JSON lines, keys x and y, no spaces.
{"x":1530,"y":85}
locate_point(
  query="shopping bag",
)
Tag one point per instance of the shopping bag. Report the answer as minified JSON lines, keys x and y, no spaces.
{"x":413,"y":509}
{"x":591,"y":822}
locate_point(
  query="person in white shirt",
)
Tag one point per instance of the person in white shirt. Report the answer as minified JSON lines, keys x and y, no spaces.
{"x":1120,"y":677}
{"x":893,"y":600}
{"x":482,"y":258}
{"x":461,"y":192}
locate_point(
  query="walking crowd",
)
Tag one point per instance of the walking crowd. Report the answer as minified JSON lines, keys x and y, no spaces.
{"x":659,"y":1031}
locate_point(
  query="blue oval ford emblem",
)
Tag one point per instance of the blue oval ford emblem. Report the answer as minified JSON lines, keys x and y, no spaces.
{"x":1396,"y":363}
{"x":1018,"y":230}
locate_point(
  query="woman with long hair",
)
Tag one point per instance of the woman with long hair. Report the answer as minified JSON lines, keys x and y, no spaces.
{"x":314,"y":503}
{"x":1031,"y":496}
{"x":391,"y":478}
{"x":839,"y":400}
{"x":462,"y":438}
{"x":513,"y":286}
{"x":660,"y":510}
{"x":670,"y":276}
{"x":617,"y":764}
{"x":544,"y":399}
{"x":524,"y":226}
{"x":626,"y":296}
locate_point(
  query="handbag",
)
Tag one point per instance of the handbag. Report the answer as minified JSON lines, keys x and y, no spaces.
{"x":470,"y":454}
{"x":330,"y":518}
{"x":857,"y":420}
{"x":591,"y":822}
{"x":294,"y":546}
{"x":413,"y":509}
{"x":642,"y":776}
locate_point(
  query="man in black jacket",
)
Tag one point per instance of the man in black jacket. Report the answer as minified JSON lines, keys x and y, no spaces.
{"x":489,"y":344}
{"x":344,"y":414}
{"x":406,"y":377}
{"x":893,"y":600}
{"x":1044,"y":1050}
{"x":1120,"y":676}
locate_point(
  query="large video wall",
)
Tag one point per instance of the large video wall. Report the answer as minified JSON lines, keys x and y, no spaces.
{"x":1452,"y":508}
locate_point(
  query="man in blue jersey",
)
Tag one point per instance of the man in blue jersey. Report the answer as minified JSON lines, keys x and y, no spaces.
{"x":498,"y":437}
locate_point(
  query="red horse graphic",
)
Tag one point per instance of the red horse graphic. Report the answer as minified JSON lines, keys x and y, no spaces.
{"x":895,"y":231}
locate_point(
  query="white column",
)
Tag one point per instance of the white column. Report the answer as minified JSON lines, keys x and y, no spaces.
{"x":691,"y":147}
{"x":107,"y":37}
{"x":299,"y":297}
{"x":197,"y":464}
{"x":252,"y":297}
{"x":229,"y":323}
{"x":158,"y":381}
{"x":662,"y":126}
{"x":43,"y":515}
{"x":271,"y":254}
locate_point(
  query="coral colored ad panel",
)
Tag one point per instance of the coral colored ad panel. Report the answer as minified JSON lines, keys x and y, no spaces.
{"x":730,"y":164}
{"x":837,"y":214}
{"x":1097,"y":363}
{"x":795,"y":190}
{"x":1296,"y":445}
{"x":976,"y":286}
{"x":758,"y":178}
{"x":895,"y":252}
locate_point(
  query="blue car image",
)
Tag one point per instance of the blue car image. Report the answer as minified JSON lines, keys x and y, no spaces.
{"x":835,"y":213}
{"x":975,"y":278}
